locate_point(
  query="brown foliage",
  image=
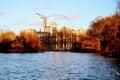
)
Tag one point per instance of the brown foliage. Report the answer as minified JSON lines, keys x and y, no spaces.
{"x":76,"y":46}
{"x":6,"y":39}
{"x":103,"y":35}
{"x":27,"y":41}
{"x":87,"y":44}
{"x":91,"y":44}
{"x":108,"y":31}
{"x":16,"y":47}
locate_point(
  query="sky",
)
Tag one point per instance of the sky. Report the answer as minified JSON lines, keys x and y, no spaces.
{"x":17,"y":15}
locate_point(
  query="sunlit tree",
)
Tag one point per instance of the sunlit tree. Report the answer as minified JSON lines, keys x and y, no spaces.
{"x":31,"y":42}
{"x":6,"y":39}
{"x":108,"y":31}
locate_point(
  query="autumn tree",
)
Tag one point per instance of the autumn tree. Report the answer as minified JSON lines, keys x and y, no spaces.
{"x":6,"y":39}
{"x":27,"y":41}
{"x":90,"y":44}
{"x":107,"y":30}
{"x":16,"y":46}
{"x":76,"y":46}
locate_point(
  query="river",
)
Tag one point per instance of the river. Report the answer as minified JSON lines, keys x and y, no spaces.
{"x":58,"y":66}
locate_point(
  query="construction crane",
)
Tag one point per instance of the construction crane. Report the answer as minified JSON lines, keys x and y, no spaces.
{"x":58,"y":16}
{"x":44,"y":19}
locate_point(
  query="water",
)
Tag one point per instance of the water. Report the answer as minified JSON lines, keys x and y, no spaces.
{"x":58,"y":66}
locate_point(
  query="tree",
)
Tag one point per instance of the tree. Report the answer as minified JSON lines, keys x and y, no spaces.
{"x":16,"y":46}
{"x":27,"y":42}
{"x":90,"y":44}
{"x":6,"y":39}
{"x":107,"y":30}
{"x":31,"y":42}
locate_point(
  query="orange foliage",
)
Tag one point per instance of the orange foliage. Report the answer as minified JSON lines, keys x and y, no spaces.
{"x":87,"y":44}
{"x":32,"y":44}
{"x":6,"y":39}
{"x":108,"y":31}
{"x":7,"y":35}
{"x":91,"y":44}
{"x":27,"y":41}
{"x":103,"y":35}
{"x":16,"y":47}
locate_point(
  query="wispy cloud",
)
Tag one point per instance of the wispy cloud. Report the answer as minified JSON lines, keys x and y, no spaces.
{"x":43,"y":8}
{"x":2,"y":12}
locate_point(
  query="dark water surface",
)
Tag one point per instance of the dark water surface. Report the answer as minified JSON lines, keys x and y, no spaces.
{"x":58,"y":66}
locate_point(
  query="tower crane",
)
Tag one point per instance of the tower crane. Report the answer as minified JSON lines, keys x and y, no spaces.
{"x":44,"y":19}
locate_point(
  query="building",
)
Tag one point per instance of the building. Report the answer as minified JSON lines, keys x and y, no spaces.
{"x":61,"y":40}
{"x":56,"y":39}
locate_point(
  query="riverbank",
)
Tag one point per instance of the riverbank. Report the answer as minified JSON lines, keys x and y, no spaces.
{"x":112,"y":55}
{"x":115,"y":55}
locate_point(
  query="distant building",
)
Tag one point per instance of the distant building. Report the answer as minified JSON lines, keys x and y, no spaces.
{"x":56,"y":39}
{"x":46,"y":36}
{"x":52,"y":28}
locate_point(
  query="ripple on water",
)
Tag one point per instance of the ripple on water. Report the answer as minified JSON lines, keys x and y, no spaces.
{"x":57,"y":66}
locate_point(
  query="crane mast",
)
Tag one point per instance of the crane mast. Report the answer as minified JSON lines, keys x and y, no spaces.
{"x":44,"y":19}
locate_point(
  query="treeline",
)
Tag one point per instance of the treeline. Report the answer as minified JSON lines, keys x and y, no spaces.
{"x":26,"y":41}
{"x":103,"y":36}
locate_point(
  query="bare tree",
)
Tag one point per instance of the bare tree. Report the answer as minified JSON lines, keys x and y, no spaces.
{"x":118,"y":7}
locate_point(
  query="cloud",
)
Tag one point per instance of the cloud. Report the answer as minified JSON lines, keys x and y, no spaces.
{"x":2,"y":12}
{"x":43,"y":8}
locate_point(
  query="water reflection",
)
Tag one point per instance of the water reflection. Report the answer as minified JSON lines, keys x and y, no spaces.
{"x":58,"y":66}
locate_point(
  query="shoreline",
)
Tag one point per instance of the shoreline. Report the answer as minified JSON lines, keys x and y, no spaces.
{"x":112,"y":55}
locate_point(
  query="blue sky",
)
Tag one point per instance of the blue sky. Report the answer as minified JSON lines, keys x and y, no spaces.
{"x":17,"y":15}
